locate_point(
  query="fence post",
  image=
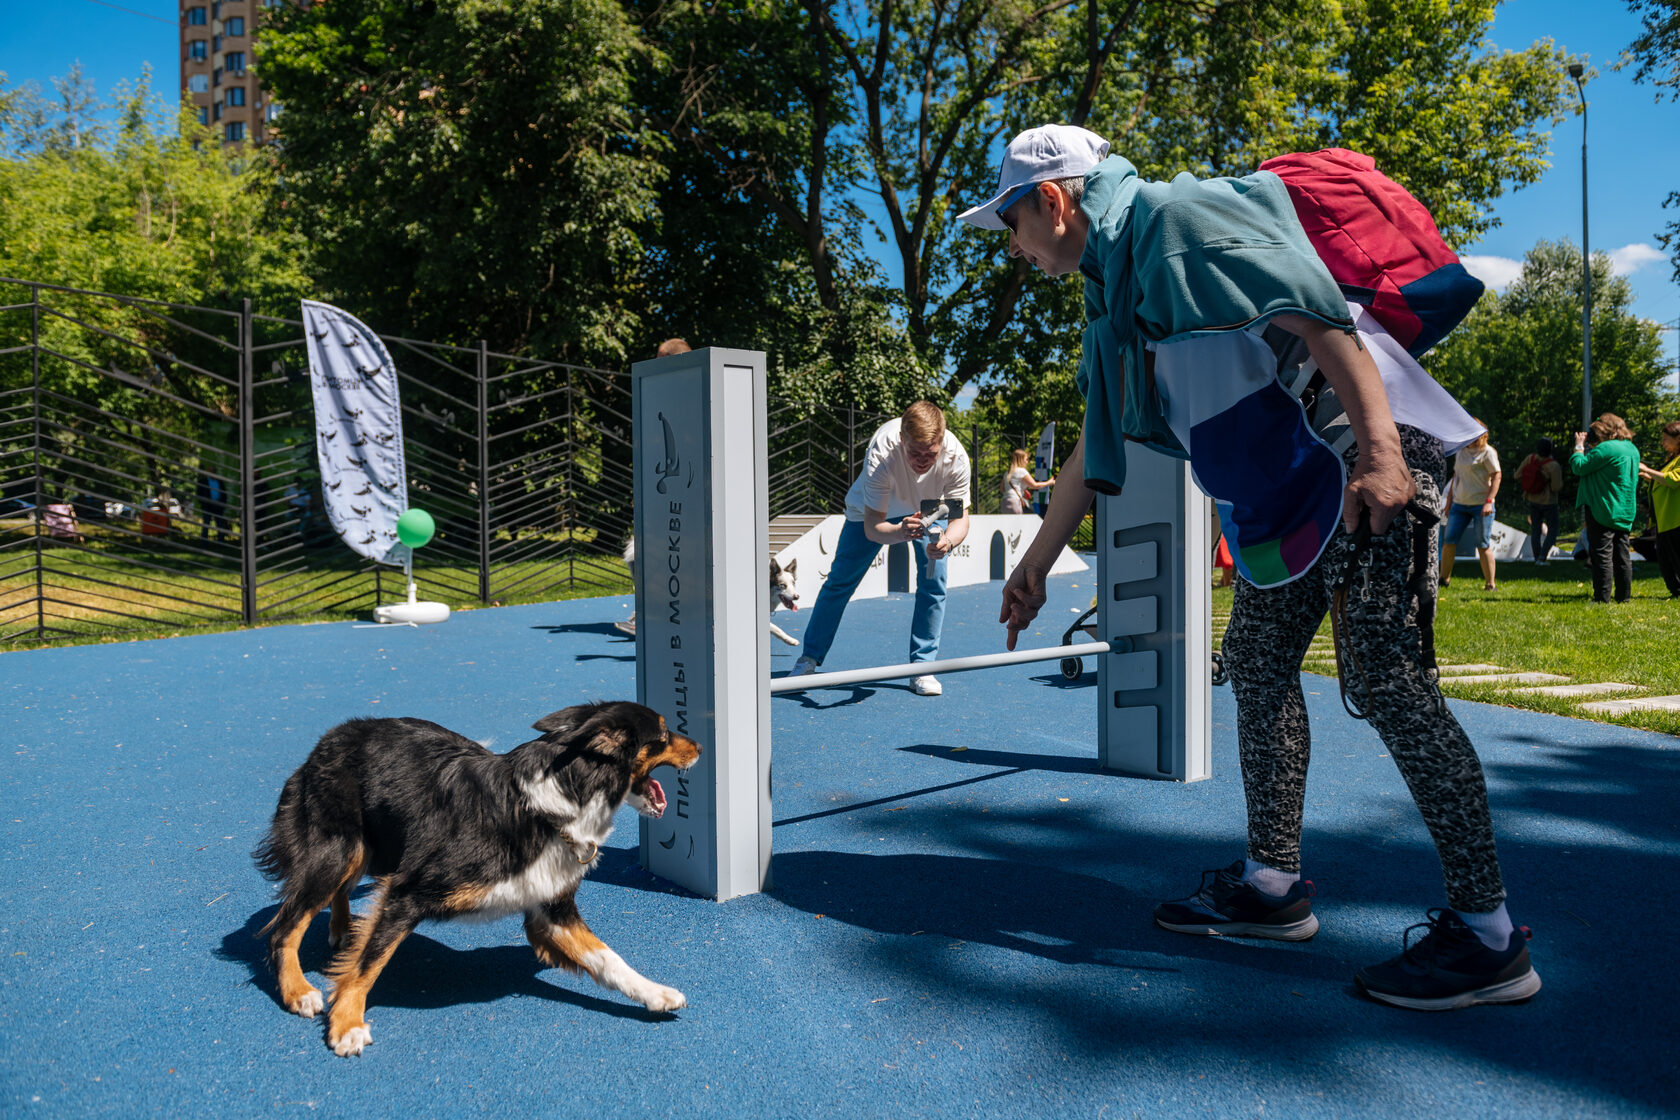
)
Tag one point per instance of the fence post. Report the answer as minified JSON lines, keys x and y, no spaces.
{"x":247,"y":470}
{"x":483,"y":471}
{"x":40,"y":491}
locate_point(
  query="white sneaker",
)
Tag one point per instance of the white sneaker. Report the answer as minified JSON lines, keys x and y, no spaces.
{"x":926,"y":686}
{"x":802,"y":667}
{"x":628,"y":626}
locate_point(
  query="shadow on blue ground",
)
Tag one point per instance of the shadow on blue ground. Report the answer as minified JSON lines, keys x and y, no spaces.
{"x":425,"y":974}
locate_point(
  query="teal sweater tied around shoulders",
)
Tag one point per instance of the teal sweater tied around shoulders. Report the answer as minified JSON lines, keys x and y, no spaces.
{"x":1164,"y":261}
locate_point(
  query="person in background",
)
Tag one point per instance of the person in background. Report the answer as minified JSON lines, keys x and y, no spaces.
{"x":1470,"y":495}
{"x":1543,"y":471}
{"x":628,"y":626}
{"x":1019,"y":484}
{"x":1223,"y":560}
{"x":1607,"y":464}
{"x":212,"y":494}
{"x":1665,"y":507}
{"x":910,"y":459}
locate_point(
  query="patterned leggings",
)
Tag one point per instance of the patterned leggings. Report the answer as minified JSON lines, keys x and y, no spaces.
{"x":1268,"y":636}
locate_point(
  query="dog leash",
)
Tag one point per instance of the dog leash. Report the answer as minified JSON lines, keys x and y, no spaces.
{"x":1348,"y":664}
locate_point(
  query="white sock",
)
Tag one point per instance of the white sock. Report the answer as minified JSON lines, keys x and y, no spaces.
{"x":1494,"y":927}
{"x":1269,"y":880}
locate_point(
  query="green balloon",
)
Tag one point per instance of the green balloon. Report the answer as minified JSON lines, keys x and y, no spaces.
{"x":415,"y":527}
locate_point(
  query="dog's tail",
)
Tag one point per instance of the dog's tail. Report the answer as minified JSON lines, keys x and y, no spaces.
{"x":273,"y":855}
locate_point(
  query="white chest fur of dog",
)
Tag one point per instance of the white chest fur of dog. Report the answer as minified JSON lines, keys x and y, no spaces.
{"x":563,"y":864}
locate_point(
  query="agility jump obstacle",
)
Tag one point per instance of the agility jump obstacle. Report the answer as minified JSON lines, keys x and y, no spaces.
{"x":702,"y":619}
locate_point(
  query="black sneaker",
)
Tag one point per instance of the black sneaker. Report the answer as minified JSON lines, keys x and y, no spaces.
{"x":1229,"y":907}
{"x":1451,"y":967}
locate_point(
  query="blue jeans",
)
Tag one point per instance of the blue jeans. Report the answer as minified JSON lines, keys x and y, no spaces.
{"x":1461,"y":518}
{"x":852,"y":557}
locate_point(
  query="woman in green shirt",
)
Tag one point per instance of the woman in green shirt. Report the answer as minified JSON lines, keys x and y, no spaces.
{"x":1665,"y":505}
{"x":1608,"y":495}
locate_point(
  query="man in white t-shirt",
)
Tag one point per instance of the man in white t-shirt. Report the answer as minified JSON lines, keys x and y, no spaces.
{"x":910,"y":459}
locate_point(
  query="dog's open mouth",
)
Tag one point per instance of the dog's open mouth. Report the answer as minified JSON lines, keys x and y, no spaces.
{"x":653,"y":800}
{"x":787,"y":602}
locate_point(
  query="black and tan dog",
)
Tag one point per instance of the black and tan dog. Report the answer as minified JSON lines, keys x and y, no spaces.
{"x":450,"y":830}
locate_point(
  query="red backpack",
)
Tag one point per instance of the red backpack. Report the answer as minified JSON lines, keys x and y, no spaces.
{"x":1533,"y":475}
{"x":1379,"y":244}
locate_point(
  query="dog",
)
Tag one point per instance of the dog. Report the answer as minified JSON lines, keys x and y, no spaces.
{"x":450,"y":830}
{"x":781,"y":589}
{"x":782,"y":594}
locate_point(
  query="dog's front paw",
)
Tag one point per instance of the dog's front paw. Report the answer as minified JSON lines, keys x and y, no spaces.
{"x":351,"y":1042}
{"x":307,"y":1004}
{"x":657,"y":997}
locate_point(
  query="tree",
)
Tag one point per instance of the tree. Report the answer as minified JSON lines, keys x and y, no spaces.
{"x":1515,"y":361}
{"x":1656,"y":54}
{"x":467,"y":169}
{"x":151,"y":207}
{"x":885,"y":119}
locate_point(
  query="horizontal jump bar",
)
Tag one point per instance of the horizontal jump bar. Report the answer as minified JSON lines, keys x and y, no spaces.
{"x":918,"y":668}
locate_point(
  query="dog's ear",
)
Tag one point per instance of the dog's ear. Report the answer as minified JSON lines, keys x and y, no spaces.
{"x":775,"y":569}
{"x":608,"y":726}
{"x":566,"y":718}
{"x":792,"y":564}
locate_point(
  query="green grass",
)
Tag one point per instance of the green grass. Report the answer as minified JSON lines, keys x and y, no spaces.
{"x":1542,"y":620}
{"x":1537,"y":620}
{"x":117,"y":589}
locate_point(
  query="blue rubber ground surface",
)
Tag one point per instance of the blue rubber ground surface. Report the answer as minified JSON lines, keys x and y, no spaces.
{"x":960,"y":924}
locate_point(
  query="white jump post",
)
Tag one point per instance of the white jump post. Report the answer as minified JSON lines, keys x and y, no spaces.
{"x":702,"y":617}
{"x":1154,"y":570}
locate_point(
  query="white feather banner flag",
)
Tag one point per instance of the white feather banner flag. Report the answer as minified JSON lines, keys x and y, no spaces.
{"x":1043,"y":457}
{"x":358,"y":432}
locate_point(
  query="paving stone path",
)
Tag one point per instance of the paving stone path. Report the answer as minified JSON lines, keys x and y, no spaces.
{"x":1321,"y":659}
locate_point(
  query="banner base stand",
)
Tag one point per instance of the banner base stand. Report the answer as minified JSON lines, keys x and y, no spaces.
{"x":413,"y":612}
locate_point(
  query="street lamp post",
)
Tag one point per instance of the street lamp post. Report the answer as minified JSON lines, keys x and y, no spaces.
{"x":1576,"y":71}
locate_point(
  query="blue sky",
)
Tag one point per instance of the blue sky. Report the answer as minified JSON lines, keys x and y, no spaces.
{"x":1633,"y":145}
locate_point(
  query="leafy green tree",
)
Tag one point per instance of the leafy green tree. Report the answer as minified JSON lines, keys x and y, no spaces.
{"x":468,"y":169}
{"x":1515,"y":361}
{"x":891,"y":116}
{"x":1655,"y":54}
{"x":150,"y":207}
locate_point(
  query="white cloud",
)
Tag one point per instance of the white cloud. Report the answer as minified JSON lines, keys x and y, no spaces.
{"x":1497,"y":273}
{"x":1631,"y":258}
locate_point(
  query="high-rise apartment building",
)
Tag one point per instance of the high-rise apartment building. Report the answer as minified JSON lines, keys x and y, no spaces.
{"x":218,"y":69}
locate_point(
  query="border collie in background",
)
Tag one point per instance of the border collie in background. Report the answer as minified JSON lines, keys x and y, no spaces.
{"x":782,"y":594}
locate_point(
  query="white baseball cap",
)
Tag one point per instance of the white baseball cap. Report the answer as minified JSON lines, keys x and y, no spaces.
{"x":1050,"y":151}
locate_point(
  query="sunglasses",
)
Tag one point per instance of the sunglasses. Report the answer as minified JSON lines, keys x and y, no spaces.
{"x":1009,"y":204}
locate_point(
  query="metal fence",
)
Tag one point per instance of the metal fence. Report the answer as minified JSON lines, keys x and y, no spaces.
{"x":158,"y":471}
